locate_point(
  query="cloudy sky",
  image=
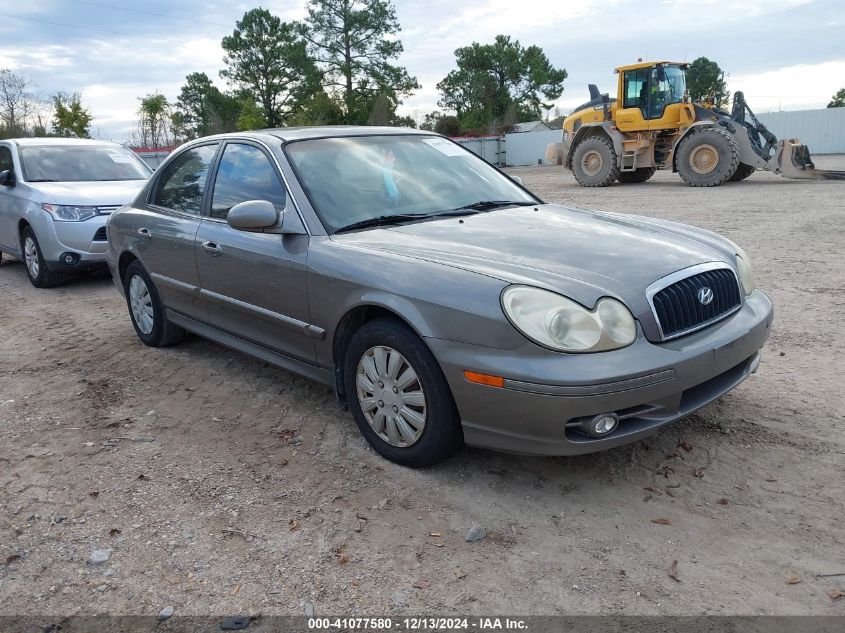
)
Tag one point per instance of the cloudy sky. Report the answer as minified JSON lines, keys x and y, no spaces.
{"x":784,"y":54}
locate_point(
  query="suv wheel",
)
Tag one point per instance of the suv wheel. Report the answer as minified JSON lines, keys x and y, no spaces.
{"x":146,"y":309}
{"x":36,"y":268}
{"x":399,"y":397}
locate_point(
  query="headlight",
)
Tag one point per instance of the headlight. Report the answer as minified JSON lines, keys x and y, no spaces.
{"x":69,"y":213}
{"x":746,"y":273}
{"x":554,"y":321}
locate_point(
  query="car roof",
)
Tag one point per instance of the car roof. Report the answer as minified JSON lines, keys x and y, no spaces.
{"x":60,"y":141}
{"x":321,"y":131}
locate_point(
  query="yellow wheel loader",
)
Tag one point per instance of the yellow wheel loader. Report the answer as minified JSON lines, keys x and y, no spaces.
{"x":652,"y":124}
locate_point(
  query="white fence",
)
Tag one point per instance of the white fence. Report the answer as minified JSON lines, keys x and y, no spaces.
{"x":490,"y":148}
{"x":529,"y":148}
{"x":823,"y":131}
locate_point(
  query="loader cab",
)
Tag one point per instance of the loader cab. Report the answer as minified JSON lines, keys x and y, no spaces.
{"x":652,"y":96}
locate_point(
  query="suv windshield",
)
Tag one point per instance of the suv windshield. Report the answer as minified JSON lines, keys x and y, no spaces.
{"x":81,"y":163}
{"x":357,"y":181}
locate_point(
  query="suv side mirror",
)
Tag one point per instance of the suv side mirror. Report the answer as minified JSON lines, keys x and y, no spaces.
{"x":253,"y":215}
{"x":518,"y":180}
{"x":7,"y":178}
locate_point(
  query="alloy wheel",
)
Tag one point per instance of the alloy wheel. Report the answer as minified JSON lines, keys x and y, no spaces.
{"x":31,"y":258}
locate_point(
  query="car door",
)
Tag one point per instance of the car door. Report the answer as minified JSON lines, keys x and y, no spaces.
{"x":254,"y":283}
{"x":8,"y":201}
{"x":165,"y":231}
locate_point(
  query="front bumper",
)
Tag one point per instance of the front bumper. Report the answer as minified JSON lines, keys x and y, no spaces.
{"x":546,"y":394}
{"x":78,"y":238}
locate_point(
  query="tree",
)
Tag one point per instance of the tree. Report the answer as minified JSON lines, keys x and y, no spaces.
{"x":268,"y":58}
{"x":448,"y":126}
{"x":321,"y":109}
{"x":499,"y":81}
{"x":442,"y":124}
{"x":17,"y":103}
{"x":838,"y":100}
{"x":706,"y":81}
{"x":202,"y":109}
{"x":354,"y":43}
{"x":154,"y":121}
{"x":70,"y":119}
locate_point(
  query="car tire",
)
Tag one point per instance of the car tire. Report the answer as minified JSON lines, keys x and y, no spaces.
{"x":146,"y":309}
{"x":594,"y":162}
{"x":34,"y":264}
{"x":393,"y":382}
{"x":707,"y":157}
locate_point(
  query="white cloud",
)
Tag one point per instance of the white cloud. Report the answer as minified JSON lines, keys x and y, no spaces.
{"x":796,"y":87}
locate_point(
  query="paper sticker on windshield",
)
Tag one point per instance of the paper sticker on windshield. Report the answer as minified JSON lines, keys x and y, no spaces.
{"x":121,"y":158}
{"x":445,"y":147}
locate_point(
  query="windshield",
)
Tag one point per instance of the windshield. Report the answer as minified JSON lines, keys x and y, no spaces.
{"x":668,"y":89}
{"x":353,"y":180}
{"x":81,"y":163}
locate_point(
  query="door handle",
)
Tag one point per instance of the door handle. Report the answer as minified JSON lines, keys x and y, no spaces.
{"x":145,"y":233}
{"x":212,"y":248}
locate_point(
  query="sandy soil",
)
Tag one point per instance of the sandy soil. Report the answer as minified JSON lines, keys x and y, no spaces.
{"x":224,"y":486}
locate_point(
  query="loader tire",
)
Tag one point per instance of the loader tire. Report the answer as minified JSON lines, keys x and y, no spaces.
{"x":707,"y":157}
{"x":742,"y":172}
{"x":639,"y":175}
{"x":595,"y":163}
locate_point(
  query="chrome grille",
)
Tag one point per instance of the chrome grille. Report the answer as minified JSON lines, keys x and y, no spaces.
{"x":108,"y":209}
{"x":679,"y":309}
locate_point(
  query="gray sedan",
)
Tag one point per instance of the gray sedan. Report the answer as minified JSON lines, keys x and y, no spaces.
{"x":443,"y":302}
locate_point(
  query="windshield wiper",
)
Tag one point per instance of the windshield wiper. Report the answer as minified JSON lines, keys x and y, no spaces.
{"x":487,"y":205}
{"x":382,"y":220}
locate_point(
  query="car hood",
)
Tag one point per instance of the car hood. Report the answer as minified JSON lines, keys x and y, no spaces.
{"x":109,"y":193}
{"x":582,"y":254}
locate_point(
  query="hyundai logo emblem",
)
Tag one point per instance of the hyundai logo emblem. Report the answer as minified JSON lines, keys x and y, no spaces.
{"x":705,"y":296}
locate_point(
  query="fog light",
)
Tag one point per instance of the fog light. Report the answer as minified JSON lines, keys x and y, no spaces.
{"x":69,"y":259}
{"x":601,"y":425}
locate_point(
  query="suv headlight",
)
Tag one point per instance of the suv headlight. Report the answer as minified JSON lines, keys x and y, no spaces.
{"x":561,"y":324}
{"x":745,"y":271}
{"x":72,"y":213}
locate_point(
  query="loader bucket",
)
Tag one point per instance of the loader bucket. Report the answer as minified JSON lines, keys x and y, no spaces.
{"x":792,"y":160}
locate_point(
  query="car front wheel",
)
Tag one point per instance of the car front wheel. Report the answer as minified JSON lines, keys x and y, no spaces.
{"x":146,"y":309}
{"x":36,"y":267}
{"x":399,"y":397}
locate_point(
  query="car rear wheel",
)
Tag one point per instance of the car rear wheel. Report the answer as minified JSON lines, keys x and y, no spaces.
{"x":146,"y":309}
{"x":399,"y":397}
{"x":36,"y":267}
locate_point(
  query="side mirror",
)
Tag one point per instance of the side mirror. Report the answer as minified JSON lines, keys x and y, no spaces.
{"x":518,"y":180}
{"x":7,"y":178}
{"x":253,"y":215}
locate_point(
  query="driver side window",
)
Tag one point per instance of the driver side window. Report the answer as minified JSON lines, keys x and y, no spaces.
{"x":245,"y":173}
{"x":6,"y":159}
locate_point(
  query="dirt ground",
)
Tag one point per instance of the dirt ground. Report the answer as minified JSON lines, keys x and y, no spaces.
{"x":225,"y":486}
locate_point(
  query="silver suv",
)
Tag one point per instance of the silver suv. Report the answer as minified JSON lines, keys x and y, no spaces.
{"x":55,"y":197}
